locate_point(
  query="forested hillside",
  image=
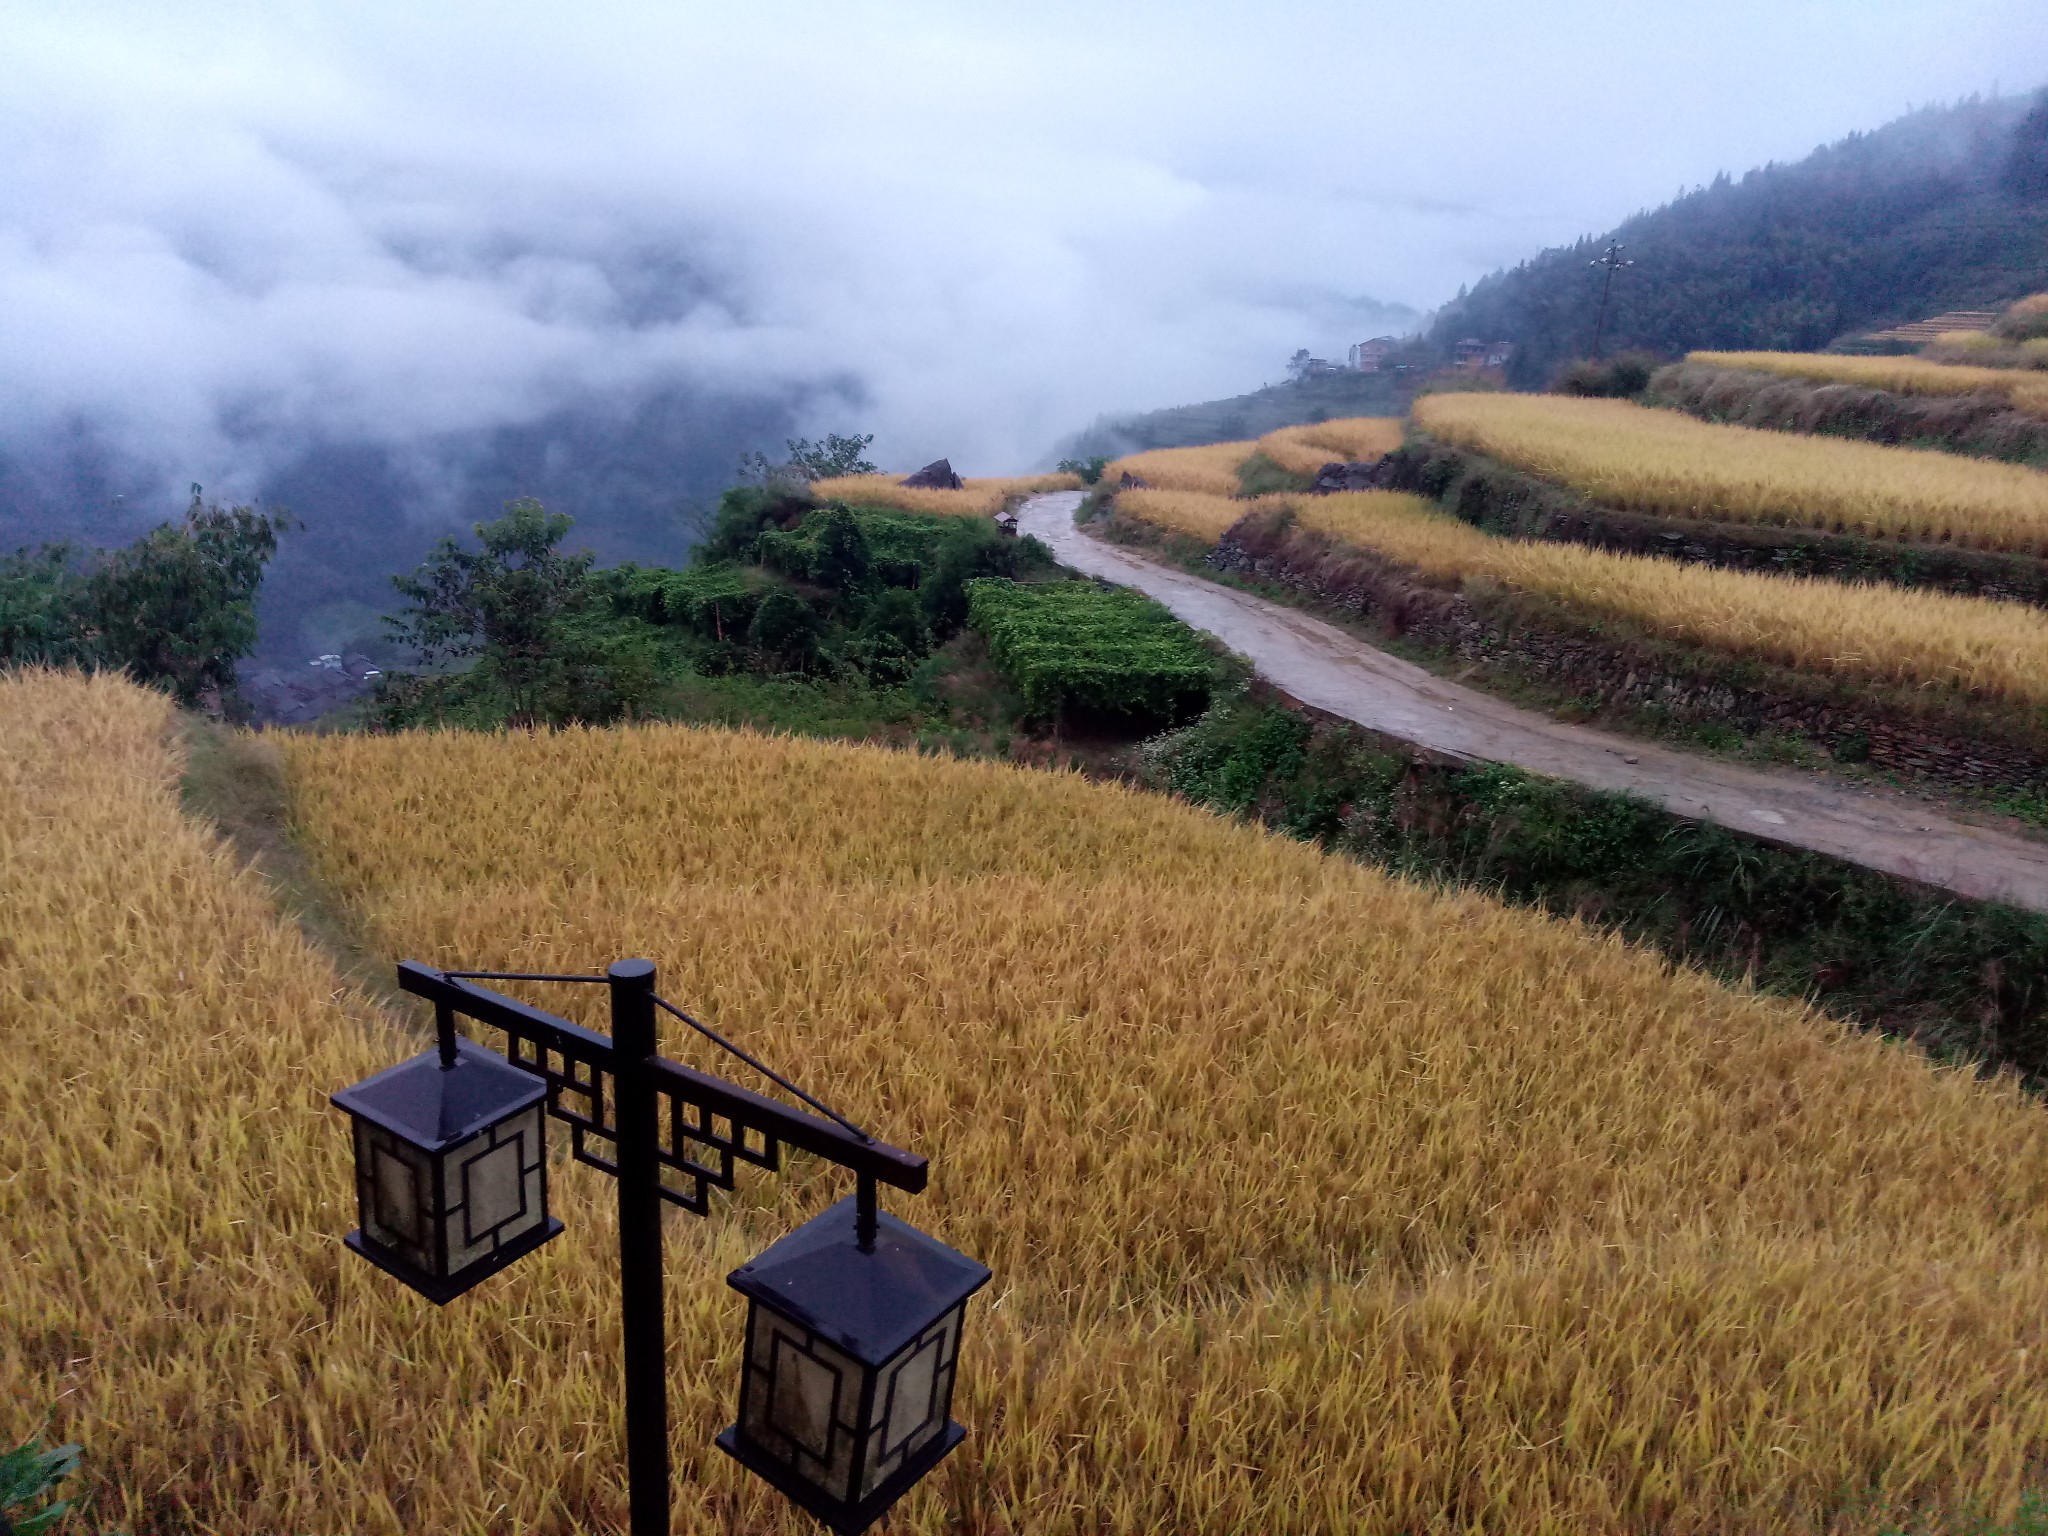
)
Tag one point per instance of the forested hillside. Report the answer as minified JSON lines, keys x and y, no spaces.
{"x":1945,"y":208}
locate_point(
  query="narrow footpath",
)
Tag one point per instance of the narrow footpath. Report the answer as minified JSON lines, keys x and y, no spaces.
{"x":1327,"y":669}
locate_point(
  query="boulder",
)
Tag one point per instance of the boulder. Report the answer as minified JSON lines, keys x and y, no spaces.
{"x":936,"y":476}
{"x":1131,"y":482}
{"x":1361,"y":475}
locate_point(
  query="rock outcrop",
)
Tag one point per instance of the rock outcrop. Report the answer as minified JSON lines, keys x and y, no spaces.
{"x":936,"y":476}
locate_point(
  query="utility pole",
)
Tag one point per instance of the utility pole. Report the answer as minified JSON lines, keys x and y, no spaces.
{"x":1611,"y":260}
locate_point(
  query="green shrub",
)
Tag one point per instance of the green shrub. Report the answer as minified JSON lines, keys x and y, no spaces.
{"x":747,"y":511}
{"x":1076,"y":646}
{"x":787,"y":631}
{"x":27,"y":1474}
{"x":1623,"y":376}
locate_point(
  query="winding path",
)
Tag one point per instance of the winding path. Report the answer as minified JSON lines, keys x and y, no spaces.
{"x":1330,"y":670}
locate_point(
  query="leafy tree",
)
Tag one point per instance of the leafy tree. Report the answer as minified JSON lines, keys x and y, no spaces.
{"x":508,"y":605}
{"x":836,"y":455}
{"x":747,"y":511}
{"x":178,"y":606}
{"x":787,"y":631}
{"x":892,"y":637}
{"x":44,"y":612}
{"x":833,"y":457}
{"x":1297,"y":365}
{"x":843,"y":560}
{"x":1089,"y":469}
{"x":175,"y":609}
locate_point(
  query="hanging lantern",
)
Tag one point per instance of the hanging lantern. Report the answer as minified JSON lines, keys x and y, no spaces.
{"x":846,"y":1391}
{"x":451,"y":1168}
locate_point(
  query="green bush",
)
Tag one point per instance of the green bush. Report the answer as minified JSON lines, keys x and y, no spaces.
{"x":787,"y":632}
{"x":1623,"y":376}
{"x":747,"y":511}
{"x":1076,"y":646}
{"x":27,"y":1474}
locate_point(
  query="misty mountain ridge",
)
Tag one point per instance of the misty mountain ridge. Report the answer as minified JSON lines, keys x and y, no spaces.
{"x":1945,"y":208}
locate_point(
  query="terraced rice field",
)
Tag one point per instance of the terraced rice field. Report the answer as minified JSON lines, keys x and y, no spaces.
{"x":977,"y":498}
{"x":1631,"y":456}
{"x":1210,"y":470}
{"x":1321,"y":1203}
{"x":1304,"y":450}
{"x":1900,"y":375}
{"x":1968,"y":645}
{"x":1197,"y":514}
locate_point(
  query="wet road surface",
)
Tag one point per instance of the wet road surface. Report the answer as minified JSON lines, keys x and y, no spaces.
{"x":1328,"y":669}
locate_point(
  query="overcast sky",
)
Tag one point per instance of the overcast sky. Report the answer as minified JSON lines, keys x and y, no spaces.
{"x":226,"y":227}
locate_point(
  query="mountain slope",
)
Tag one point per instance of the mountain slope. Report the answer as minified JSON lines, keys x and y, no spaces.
{"x":1945,"y":208}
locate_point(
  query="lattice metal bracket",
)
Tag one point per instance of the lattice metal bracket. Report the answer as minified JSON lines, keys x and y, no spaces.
{"x":706,"y":1126}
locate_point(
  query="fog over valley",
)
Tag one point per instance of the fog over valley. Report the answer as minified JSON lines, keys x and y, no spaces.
{"x":392,"y":267}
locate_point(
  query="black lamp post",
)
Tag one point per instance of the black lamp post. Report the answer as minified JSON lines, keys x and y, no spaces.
{"x":854,"y":1319}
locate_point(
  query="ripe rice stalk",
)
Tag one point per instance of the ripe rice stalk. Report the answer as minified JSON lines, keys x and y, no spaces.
{"x":1305,"y":450}
{"x":1210,"y":469}
{"x":1198,"y":514}
{"x":1915,"y":638}
{"x":1322,"y":1203}
{"x":1899,"y":375}
{"x":977,"y":498}
{"x":1632,"y":456}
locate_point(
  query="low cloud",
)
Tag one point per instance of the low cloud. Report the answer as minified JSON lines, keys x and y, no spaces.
{"x":234,"y":237}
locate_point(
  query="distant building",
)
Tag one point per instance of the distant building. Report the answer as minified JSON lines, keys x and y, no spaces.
{"x":1318,"y":367}
{"x":1367,"y":356}
{"x":1473,"y":355}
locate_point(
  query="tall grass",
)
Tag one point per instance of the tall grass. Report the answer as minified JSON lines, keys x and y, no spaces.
{"x":1626,"y":455}
{"x":1210,"y":470}
{"x":1899,"y":375}
{"x":1304,"y":450}
{"x":1318,"y":1203}
{"x":977,"y":498}
{"x":1969,"y":645}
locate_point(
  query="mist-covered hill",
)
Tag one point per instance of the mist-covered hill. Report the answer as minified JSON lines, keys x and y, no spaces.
{"x":1944,"y":208}
{"x":1319,"y":398}
{"x":637,"y":474}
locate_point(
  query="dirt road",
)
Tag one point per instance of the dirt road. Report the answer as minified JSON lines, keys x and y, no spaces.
{"x":1326,"y":668}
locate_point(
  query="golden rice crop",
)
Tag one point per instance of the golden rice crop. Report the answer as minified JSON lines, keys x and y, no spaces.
{"x":1305,"y":450}
{"x":1973,"y":645}
{"x":1627,"y":455}
{"x":1197,"y":514}
{"x":1210,"y":469}
{"x":1899,"y":375}
{"x":1321,"y":1203}
{"x":977,"y":498}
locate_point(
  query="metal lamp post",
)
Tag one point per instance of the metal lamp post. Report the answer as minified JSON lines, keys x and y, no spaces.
{"x":854,"y":1319}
